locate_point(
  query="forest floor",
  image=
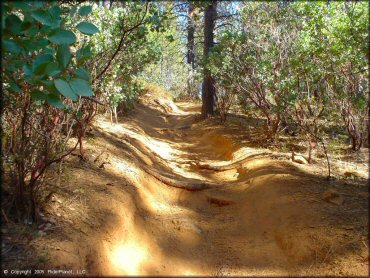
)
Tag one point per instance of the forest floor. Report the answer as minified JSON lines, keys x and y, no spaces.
{"x":163,"y":193}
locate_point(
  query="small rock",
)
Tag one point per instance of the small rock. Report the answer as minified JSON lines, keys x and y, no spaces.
{"x":47,"y":226}
{"x":333,"y":197}
{"x":195,"y":229}
{"x":42,"y":233}
{"x":52,"y":221}
{"x":58,"y":214}
{"x":299,"y":159}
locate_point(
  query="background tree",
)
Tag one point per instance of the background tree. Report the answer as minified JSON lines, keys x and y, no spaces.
{"x":208,"y":90}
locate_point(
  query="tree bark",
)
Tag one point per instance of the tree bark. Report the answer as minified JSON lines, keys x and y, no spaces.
{"x":191,"y":42}
{"x":208,"y":90}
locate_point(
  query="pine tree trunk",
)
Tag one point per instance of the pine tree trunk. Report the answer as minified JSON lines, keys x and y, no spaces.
{"x":191,"y":42}
{"x":208,"y":90}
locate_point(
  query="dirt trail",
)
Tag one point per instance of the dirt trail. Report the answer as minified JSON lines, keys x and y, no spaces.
{"x":249,"y":214}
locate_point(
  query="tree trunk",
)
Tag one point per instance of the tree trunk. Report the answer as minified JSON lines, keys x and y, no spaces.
{"x":208,"y":91}
{"x":191,"y":50}
{"x":191,"y":42}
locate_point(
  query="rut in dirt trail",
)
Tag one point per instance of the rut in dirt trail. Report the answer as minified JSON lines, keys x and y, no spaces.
{"x":201,"y":202}
{"x":207,"y":204}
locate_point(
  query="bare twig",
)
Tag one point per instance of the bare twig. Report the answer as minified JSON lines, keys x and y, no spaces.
{"x":5,"y":217}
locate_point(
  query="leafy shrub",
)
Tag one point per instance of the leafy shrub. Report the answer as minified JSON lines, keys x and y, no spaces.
{"x":300,"y":62}
{"x":43,"y":84}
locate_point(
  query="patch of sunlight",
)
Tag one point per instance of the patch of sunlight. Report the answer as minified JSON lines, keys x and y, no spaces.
{"x":160,"y":205}
{"x":160,"y":148}
{"x":163,"y":149}
{"x":183,"y":172}
{"x":157,"y":206}
{"x":126,"y":169}
{"x":107,"y":125}
{"x":173,"y":106}
{"x":129,"y":257}
{"x":245,"y":152}
{"x":189,"y":273}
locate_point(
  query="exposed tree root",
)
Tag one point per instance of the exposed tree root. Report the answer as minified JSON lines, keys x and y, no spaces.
{"x":218,"y":168}
{"x":191,"y":186}
{"x":219,"y":202}
{"x":237,"y":164}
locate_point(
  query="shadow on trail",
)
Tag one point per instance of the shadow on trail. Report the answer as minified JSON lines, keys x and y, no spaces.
{"x":264,"y":217}
{"x":276,"y":222}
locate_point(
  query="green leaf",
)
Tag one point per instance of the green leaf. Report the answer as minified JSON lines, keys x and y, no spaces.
{"x":79,"y":114}
{"x":11,"y":46}
{"x":37,"y":4}
{"x":55,"y":101}
{"x":27,"y":70}
{"x":26,"y":25}
{"x":49,"y":50}
{"x":83,"y":74}
{"x":45,"y":18}
{"x":52,"y":69}
{"x":37,"y":95}
{"x":63,"y":55}
{"x":87,"y":28}
{"x":72,"y":11}
{"x":49,"y":85}
{"x":13,"y":23}
{"x":55,"y":12}
{"x":83,"y":54}
{"x":41,"y":60}
{"x":40,"y":69}
{"x":85,"y":10}
{"x":170,"y":38}
{"x":64,"y":88}
{"x":21,"y":5}
{"x":35,"y":45}
{"x":63,"y":37}
{"x":15,"y":87}
{"x":31,"y":32}
{"x":81,"y":87}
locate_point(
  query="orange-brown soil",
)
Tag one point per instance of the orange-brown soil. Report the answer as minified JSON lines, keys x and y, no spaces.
{"x":163,"y":193}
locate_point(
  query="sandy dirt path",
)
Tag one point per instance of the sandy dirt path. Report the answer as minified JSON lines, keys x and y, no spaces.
{"x":166,"y":194}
